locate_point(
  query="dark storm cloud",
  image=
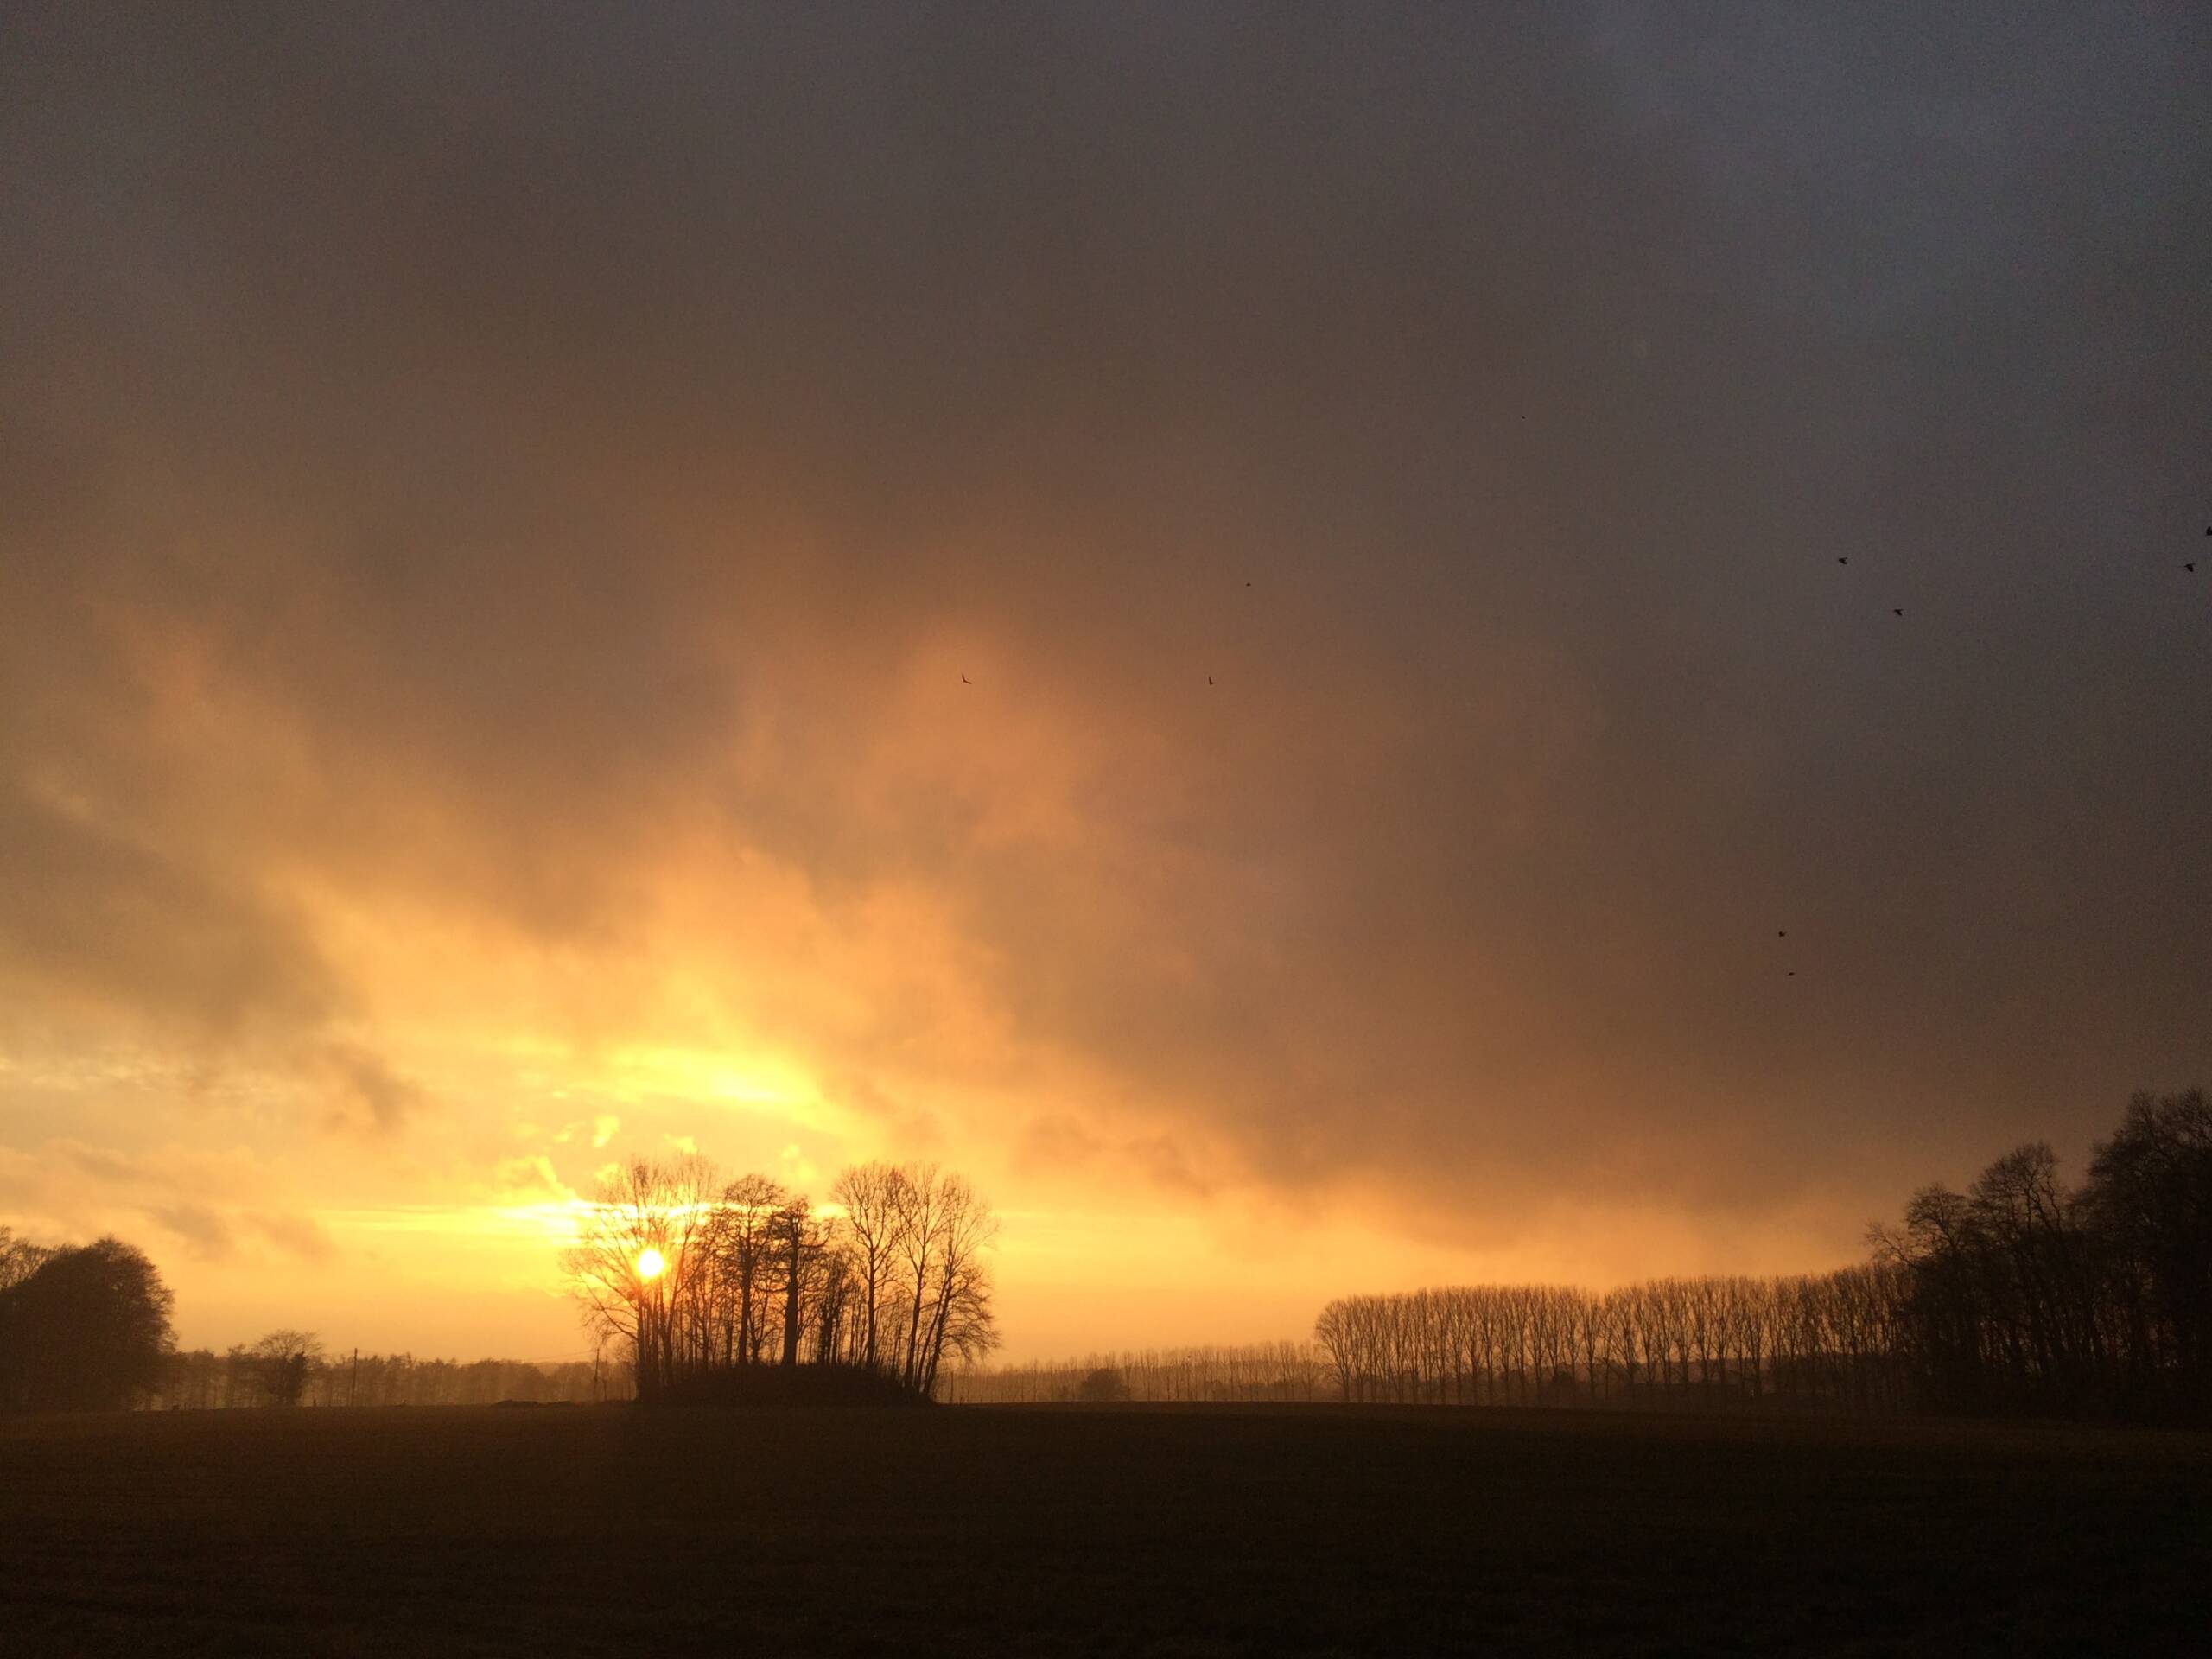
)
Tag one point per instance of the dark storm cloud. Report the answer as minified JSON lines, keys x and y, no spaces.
{"x":554,"y":429}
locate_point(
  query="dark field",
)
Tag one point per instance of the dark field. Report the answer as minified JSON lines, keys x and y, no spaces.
{"x":1065,"y":1530}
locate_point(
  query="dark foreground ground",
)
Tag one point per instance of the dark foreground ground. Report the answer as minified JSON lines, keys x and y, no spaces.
{"x":1064,"y":1530}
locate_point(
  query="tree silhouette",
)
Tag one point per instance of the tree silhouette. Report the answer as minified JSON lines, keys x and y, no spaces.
{"x":641,"y":1256}
{"x":888,"y":1280}
{"x":83,"y":1329}
{"x":868,"y":1194}
{"x":2150,"y":1195}
{"x":281,"y":1364}
{"x":1101,"y":1385}
{"x":19,"y":1258}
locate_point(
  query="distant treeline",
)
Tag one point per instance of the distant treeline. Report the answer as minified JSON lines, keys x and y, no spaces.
{"x":2016,"y":1295}
{"x":1262,"y":1370}
{"x":202,"y":1380}
{"x":87,"y":1328}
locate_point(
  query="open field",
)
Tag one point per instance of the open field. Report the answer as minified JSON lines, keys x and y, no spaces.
{"x":1067,"y":1530}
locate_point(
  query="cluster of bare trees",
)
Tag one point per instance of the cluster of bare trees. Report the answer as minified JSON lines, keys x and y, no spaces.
{"x":1260,"y":1370}
{"x":2025,"y":1296}
{"x":1826,"y":1339}
{"x":291,"y":1368}
{"x":81,"y":1328}
{"x":690,"y":1274}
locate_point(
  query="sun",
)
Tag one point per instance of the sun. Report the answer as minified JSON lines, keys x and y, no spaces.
{"x":650,"y":1263}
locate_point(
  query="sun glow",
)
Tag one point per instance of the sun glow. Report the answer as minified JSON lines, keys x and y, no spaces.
{"x":650,"y":1264}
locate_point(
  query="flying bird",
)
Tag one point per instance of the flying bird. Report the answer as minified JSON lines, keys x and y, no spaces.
{"x":1780,"y":932}
{"x":1843,"y":561}
{"x":1208,"y":679}
{"x":1899,"y":611}
{"x":2190,"y":565}
{"x":964,"y":680}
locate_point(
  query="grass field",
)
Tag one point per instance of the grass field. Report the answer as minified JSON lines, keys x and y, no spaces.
{"x":1068,"y":1530}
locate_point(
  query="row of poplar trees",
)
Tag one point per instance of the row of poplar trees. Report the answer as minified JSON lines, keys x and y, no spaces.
{"x":1827,"y":1338}
{"x":2018,"y":1295}
{"x":692,"y":1275}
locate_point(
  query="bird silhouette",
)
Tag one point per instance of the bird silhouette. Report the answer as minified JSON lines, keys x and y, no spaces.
{"x":964,"y":680}
{"x":1843,"y":561}
{"x":1899,"y":611}
{"x":1208,"y":679}
{"x":1780,"y":932}
{"x":1793,"y":973}
{"x":2190,"y":565}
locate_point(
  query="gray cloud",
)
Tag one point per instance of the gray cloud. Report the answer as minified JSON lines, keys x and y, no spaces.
{"x":206,"y":1234}
{"x":135,"y":943}
{"x":214,"y":1235}
{"x":363,"y":1089}
{"x":89,"y":912}
{"x":298,"y":1236}
{"x":537,"y":437}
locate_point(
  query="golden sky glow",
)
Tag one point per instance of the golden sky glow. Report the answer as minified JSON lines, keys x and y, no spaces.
{"x":1232,"y":639}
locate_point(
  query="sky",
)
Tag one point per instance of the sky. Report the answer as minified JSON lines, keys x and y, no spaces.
{"x":1234,"y":620}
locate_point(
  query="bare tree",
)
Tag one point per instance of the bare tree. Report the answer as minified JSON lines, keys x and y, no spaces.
{"x":282,"y":1362}
{"x":640,"y":1266}
{"x":740,"y":1245}
{"x":869,"y":1195}
{"x":2149,"y":1201}
{"x":915,"y":1202}
{"x":961,"y":1292}
{"x":803,"y":1242}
